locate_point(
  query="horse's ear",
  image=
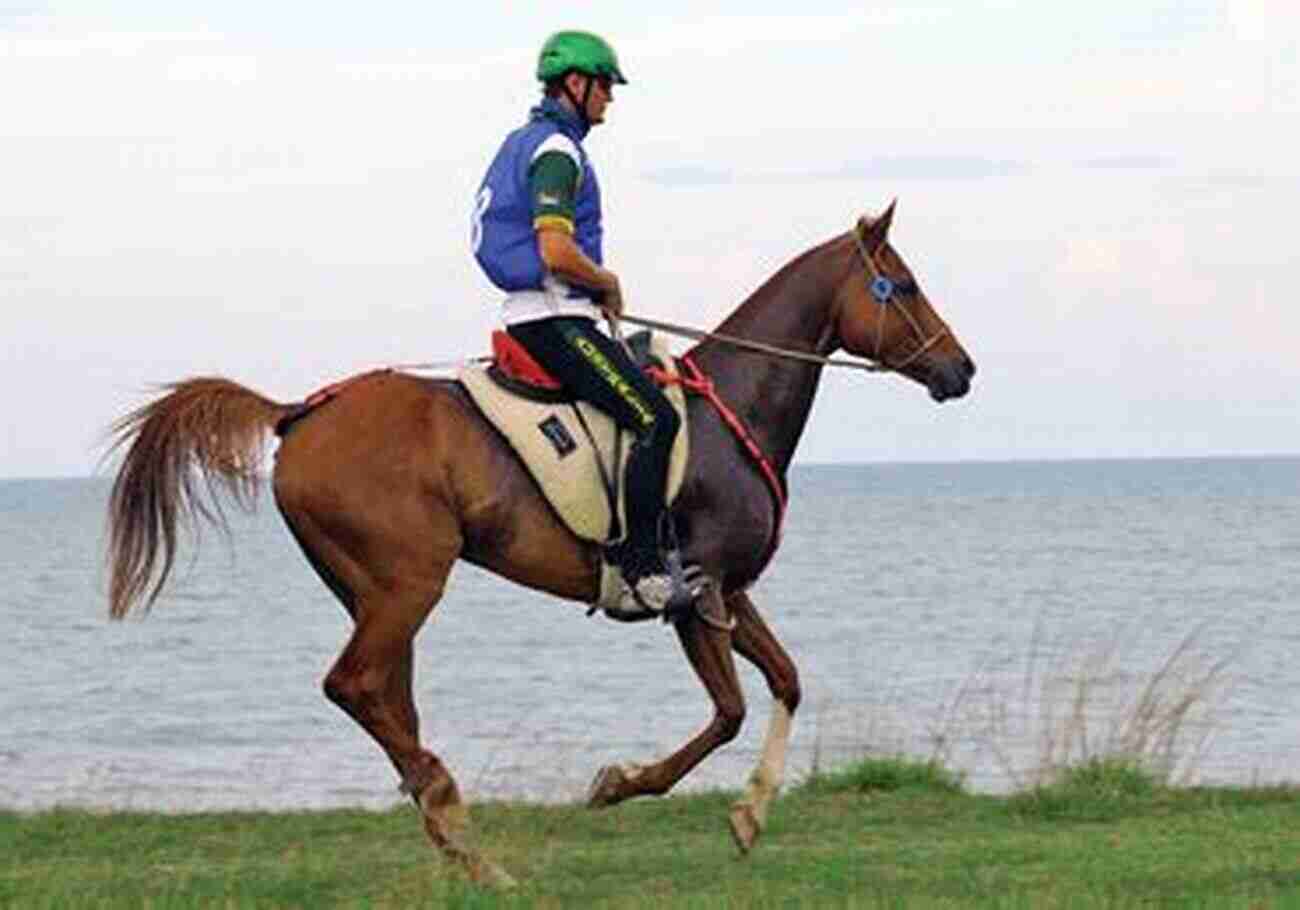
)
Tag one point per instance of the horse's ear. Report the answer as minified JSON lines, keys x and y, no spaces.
{"x":875,"y":231}
{"x":888,"y":217}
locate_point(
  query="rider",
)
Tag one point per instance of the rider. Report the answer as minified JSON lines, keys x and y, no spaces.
{"x":537,"y":235}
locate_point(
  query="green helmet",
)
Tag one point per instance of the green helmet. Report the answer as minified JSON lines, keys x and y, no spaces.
{"x":581,"y":51}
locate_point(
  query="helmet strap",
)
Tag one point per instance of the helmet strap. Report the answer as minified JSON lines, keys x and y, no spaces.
{"x":579,"y":107}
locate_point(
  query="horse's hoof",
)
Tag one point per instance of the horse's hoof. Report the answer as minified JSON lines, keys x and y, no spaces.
{"x":605,"y":787}
{"x":490,"y":875}
{"x":744,"y":827}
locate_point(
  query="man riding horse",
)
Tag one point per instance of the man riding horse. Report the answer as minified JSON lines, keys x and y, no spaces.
{"x":391,"y":479}
{"x":537,"y":235}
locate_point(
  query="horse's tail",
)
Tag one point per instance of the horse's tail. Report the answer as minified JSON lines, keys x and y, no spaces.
{"x":210,"y":424}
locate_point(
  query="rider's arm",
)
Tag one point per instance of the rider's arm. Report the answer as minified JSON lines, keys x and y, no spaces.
{"x":565,"y":258}
{"x":553,"y":184}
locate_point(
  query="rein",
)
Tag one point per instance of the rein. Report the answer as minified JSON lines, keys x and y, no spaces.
{"x":736,"y":341}
{"x":883,"y":290}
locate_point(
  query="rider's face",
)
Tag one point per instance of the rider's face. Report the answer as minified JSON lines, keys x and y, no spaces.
{"x":602,"y":94}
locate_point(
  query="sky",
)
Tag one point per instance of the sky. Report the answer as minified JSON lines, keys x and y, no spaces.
{"x":1100,"y":198}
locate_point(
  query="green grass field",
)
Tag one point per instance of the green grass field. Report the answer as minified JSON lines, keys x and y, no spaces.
{"x":884,"y":833}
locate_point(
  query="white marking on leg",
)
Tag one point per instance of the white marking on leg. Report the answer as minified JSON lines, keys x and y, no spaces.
{"x":766,"y":779}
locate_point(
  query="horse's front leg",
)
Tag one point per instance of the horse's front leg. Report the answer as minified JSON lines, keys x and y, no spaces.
{"x":705,"y":635}
{"x":754,"y":641}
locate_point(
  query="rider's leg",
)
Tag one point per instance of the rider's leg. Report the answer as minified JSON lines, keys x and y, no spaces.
{"x":593,"y":367}
{"x":646,"y":478}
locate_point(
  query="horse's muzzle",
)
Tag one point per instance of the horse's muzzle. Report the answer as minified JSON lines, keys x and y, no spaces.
{"x":950,"y":378}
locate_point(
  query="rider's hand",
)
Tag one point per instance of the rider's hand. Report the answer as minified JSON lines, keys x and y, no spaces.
{"x":611,"y":299}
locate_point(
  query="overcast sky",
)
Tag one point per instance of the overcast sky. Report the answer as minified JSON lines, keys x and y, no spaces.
{"x":1101,"y":197}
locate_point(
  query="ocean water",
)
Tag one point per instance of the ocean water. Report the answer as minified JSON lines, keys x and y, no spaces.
{"x":955,"y":610}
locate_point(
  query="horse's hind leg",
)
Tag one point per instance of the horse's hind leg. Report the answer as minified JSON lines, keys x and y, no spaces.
{"x":754,"y":641}
{"x":706,"y":638}
{"x":371,"y":680}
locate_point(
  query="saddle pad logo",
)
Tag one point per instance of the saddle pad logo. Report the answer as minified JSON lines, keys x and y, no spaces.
{"x":558,"y":436}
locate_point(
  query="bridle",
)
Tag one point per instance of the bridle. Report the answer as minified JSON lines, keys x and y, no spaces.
{"x":885,"y":291}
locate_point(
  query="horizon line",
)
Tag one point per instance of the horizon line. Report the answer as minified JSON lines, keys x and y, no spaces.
{"x":882,"y":462}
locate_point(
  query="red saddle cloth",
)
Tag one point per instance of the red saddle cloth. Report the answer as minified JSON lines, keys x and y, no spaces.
{"x":513,"y":359}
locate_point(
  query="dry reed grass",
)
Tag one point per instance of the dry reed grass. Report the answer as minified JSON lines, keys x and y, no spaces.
{"x":1057,"y":706}
{"x":1089,"y":705}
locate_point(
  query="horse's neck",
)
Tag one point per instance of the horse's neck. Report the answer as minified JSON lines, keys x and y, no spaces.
{"x":792,"y":310}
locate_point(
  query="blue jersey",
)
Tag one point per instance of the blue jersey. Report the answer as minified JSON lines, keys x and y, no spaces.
{"x":504,"y":235}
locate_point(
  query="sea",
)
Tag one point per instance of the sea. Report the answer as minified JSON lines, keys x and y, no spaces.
{"x":1003,"y":618}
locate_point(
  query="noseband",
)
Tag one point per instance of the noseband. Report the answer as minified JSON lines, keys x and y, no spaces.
{"x":886,"y":291}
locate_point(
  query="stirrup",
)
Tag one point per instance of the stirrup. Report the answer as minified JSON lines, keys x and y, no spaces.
{"x":665,"y":593}
{"x":685,"y":588}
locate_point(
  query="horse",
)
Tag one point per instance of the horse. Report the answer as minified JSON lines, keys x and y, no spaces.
{"x":400,"y":476}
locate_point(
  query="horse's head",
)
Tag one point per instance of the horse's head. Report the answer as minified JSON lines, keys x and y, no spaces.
{"x":882,"y":313}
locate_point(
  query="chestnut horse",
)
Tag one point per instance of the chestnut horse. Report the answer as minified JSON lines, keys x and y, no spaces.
{"x":400,"y":476}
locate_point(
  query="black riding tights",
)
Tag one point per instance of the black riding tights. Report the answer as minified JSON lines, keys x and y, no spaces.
{"x":591,"y":366}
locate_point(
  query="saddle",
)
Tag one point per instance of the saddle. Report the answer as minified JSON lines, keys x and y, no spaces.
{"x":573,"y":450}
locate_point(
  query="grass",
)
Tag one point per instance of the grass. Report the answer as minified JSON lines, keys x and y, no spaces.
{"x":884,"y":775}
{"x":1095,"y":823}
{"x":1102,"y":789}
{"x":883,"y":833}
